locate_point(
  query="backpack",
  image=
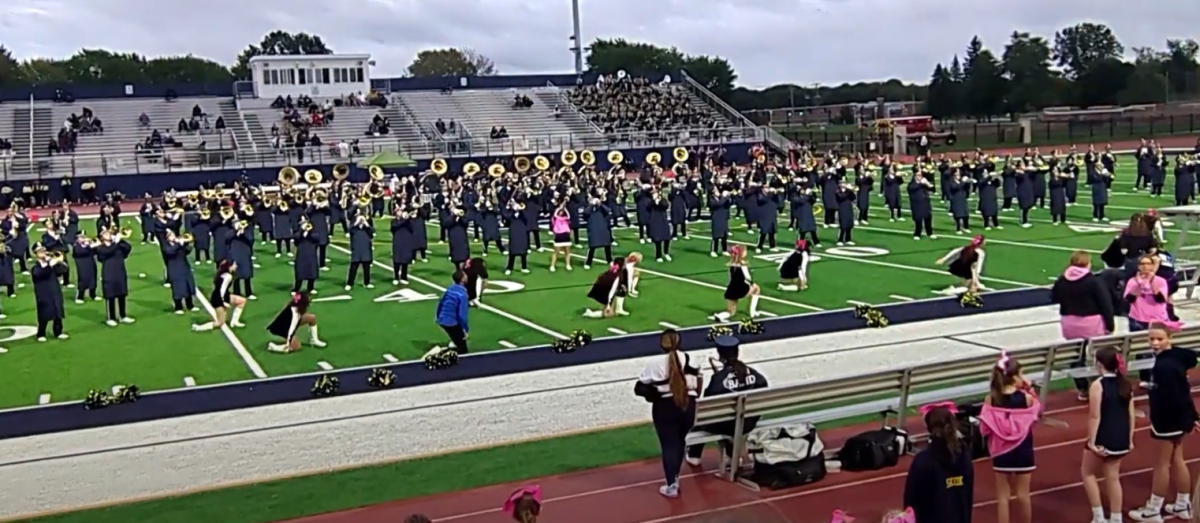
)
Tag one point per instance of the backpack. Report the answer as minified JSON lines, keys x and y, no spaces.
{"x":787,"y":456}
{"x":874,"y":449}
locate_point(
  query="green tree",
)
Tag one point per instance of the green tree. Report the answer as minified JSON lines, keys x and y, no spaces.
{"x":715,"y":74}
{"x":1182,"y":67}
{"x":1026,"y":64}
{"x":1145,"y":85}
{"x":984,"y":81}
{"x":1101,"y":82}
{"x":9,"y":68}
{"x":279,"y":43}
{"x":940,"y":101}
{"x":451,"y":62}
{"x":1082,"y":46}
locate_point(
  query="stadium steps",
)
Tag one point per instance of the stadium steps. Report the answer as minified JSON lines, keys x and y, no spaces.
{"x":15,"y":125}
{"x":259,"y":134}
{"x":228,"y":110}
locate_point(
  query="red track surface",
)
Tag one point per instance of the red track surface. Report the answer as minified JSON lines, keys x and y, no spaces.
{"x":629,"y":493}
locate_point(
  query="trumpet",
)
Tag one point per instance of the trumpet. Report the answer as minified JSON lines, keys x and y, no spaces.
{"x":186,"y":237}
{"x":123,"y":232}
{"x":364,"y":200}
{"x":241,"y":225}
{"x":193,"y":198}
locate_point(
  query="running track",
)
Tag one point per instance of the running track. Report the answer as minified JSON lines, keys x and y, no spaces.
{"x":629,"y":493}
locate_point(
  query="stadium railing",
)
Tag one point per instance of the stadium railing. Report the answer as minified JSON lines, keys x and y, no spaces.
{"x":894,"y":394}
{"x":131,"y":163}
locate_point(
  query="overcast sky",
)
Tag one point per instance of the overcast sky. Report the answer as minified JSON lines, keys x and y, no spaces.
{"x":768,"y":41}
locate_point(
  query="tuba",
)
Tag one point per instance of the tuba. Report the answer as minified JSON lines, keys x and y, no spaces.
{"x":439,"y":166}
{"x":653,"y":159}
{"x":522,"y":164}
{"x":541,"y":163}
{"x":616,"y":158}
{"x":568,"y":158}
{"x":495,"y":170}
{"x":587,"y":157}
{"x":313,"y":176}
{"x":375,"y":172}
{"x":471,"y":169}
{"x":288,"y":176}
{"x":341,"y":171}
{"x":680,"y":154}
{"x":320,"y":198}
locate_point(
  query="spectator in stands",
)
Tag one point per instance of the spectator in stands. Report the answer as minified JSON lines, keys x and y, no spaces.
{"x":315,"y":141}
{"x":144,"y":120}
{"x":730,"y":376}
{"x":53,"y":148}
{"x":275,"y":130}
{"x":380,"y":126}
{"x":671,"y":384}
{"x":521,"y":101}
{"x":376,"y":100}
{"x":6,"y":147}
{"x":557,"y":112}
{"x":183,"y":126}
{"x":625,"y":104}
{"x":171,"y":95}
{"x":220,"y":123}
{"x":279,"y":103}
{"x":197,"y":111}
{"x":499,"y":133}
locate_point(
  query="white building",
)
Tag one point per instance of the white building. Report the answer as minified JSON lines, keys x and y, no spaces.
{"x":318,"y":76}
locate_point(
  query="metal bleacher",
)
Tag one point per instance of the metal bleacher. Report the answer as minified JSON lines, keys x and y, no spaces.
{"x":349,"y":123}
{"x":112,"y":151}
{"x":896,"y":393}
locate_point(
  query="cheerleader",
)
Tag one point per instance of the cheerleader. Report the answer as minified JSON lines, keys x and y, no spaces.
{"x":740,"y":285}
{"x":362,"y":250}
{"x":967,"y":264}
{"x":477,"y":277}
{"x":1172,"y":416}
{"x":793,"y":272}
{"x":403,"y":243}
{"x":47,"y":294}
{"x":1007,"y":417}
{"x":609,"y":290}
{"x":241,"y":252}
{"x":599,"y":230}
{"x":179,"y":272}
{"x":286,"y":325}
{"x":307,"y":264}
{"x":114,"y":280}
{"x":560,"y":225}
{"x":1110,"y":434}
{"x":222,"y":298}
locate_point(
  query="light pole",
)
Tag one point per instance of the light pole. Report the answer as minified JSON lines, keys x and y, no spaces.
{"x":577,"y":38}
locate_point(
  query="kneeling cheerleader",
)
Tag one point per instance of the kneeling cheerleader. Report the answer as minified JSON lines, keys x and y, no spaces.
{"x":610,"y":290}
{"x":477,"y":277}
{"x":223,"y":299}
{"x":793,"y":272}
{"x":287,"y":324}
{"x":967,"y":264}
{"x":740,"y":286}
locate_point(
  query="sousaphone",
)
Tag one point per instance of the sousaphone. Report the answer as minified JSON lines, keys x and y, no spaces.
{"x":471,"y":169}
{"x":376,"y":173}
{"x":313,"y":176}
{"x":569,"y":157}
{"x":522,"y":164}
{"x":616,"y":158}
{"x":496,"y":170}
{"x":288,"y":176}
{"x":541,"y":163}
{"x":653,"y":159}
{"x":587,"y":157}
{"x":439,"y":166}
{"x":341,"y":171}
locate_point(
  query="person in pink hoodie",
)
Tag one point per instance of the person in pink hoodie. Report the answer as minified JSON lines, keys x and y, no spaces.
{"x":560,"y":225}
{"x":1085,"y":306}
{"x":1006,"y":421}
{"x":1148,"y":296}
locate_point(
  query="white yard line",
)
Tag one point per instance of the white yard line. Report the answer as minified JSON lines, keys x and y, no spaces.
{"x":858,"y":303}
{"x":390,"y":359}
{"x":668,"y":325}
{"x":44,"y":399}
{"x":508,"y":344}
{"x":189,"y":381}
{"x":241,"y":349}
{"x":482,"y":306}
{"x":324,"y":365}
{"x":768,"y":314}
{"x":617,"y":331}
{"x":899,"y":297}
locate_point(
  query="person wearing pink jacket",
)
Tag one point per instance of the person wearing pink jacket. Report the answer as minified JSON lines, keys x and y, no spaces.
{"x":1148,"y":296}
{"x":1006,"y":421}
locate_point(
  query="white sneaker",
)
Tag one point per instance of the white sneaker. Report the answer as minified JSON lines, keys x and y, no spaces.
{"x":695,"y":462}
{"x":64,"y":336}
{"x":237,"y":325}
{"x":318,"y":344}
{"x":127,"y":320}
{"x":1146,"y":514}
{"x":1173,"y":510}
{"x":111,"y":323}
{"x":670,"y":491}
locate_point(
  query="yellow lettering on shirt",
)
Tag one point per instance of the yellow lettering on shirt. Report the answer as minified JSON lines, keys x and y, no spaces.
{"x":954,"y":481}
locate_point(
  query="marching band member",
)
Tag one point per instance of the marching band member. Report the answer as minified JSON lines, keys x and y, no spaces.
{"x":283,"y":225}
{"x":518,"y":234}
{"x":806,"y":221}
{"x":719,"y":204}
{"x":793,"y":272}
{"x":17,"y":228}
{"x":1026,"y":192}
{"x":306,"y":267}
{"x":892,"y":180}
{"x":660,"y":226}
{"x":47,"y":294}
{"x":1058,"y":196}
{"x":7,"y":276}
{"x":420,"y":235}
{"x":845,"y":198}
{"x":989,"y":204}
{"x":146,"y":215}
{"x":959,"y":190}
{"x":768,"y":218}
{"x":560,"y":226}
{"x":740,"y":285}
{"x":114,"y":280}
{"x":318,"y":217}
{"x":362,"y":249}
{"x":533,"y":212}
{"x":489,"y":221}
{"x":287,"y":324}
{"x":403,"y":242}
{"x":241,"y":252}
{"x":264,"y":219}
{"x":677,"y":194}
{"x":967,"y":264}
{"x":53,"y":241}
{"x":83,"y":253}
{"x":222,"y":298}
{"x":599,"y":230}
{"x":201,"y":227}
{"x":616,"y":200}
{"x":222,"y":231}
{"x":1099,"y":180}
{"x":642,"y":200}
{"x":454,"y":223}
{"x":609,"y":290}
{"x":108,"y":219}
{"x":68,"y":220}
{"x":477,"y":276}
{"x":179,"y":271}
{"x":919,"y":206}
{"x":863,"y":184}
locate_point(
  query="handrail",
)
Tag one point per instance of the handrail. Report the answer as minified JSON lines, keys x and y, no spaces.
{"x":31,"y":133}
{"x":1042,"y":362}
{"x":770,"y":135}
{"x":566,"y":101}
{"x":411,"y":116}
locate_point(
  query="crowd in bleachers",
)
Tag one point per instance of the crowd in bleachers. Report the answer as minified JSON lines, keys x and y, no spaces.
{"x":198,"y":123}
{"x":447,"y":129}
{"x":637,"y":104}
{"x":76,"y":124}
{"x":380,"y":126}
{"x":521,"y":101}
{"x":155,"y":146}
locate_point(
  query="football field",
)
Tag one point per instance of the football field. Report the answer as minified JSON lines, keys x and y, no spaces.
{"x":392,"y":323}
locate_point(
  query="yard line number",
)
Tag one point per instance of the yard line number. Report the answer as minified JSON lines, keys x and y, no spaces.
{"x":16,"y":333}
{"x":850,"y":252}
{"x":407,"y":295}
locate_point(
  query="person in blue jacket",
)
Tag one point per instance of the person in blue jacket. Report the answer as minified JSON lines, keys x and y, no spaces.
{"x":941,"y":479}
{"x":730,"y":376}
{"x":452,"y":312}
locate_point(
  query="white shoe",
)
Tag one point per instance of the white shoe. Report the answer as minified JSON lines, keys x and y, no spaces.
{"x":111,"y":323}
{"x":77,"y":302}
{"x":1146,"y":514}
{"x":127,"y":320}
{"x":395,"y":282}
{"x":669,"y":491}
{"x":668,"y":257}
{"x":251,"y":297}
{"x":1184,"y":513}
{"x":551,"y":268}
{"x":318,"y":344}
{"x":370,"y":285}
{"x":348,"y":287}
{"x":695,"y":462}
{"x":237,"y":325}
{"x":41,"y":339}
{"x":64,"y":336}
{"x":179,"y":312}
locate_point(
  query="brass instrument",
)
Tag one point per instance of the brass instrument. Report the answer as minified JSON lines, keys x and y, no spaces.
{"x":306,"y":224}
{"x":176,"y":213}
{"x":439,"y":166}
{"x":56,"y":256}
{"x":186,"y":237}
{"x":288,"y":176}
{"x":246,"y":208}
{"x":241,"y":225}
{"x":364,"y":200}
{"x":522,"y":164}
{"x":587,"y":157}
{"x":653,"y":159}
{"x":471,"y":169}
{"x":124,"y":232}
{"x":205,"y":213}
{"x":320,"y":197}
{"x":375,"y":190}
{"x":541,"y":163}
{"x":616,"y":158}
{"x":680,"y":154}
{"x":376,"y":173}
{"x":341,"y":171}
{"x":495,"y":170}
{"x":568,"y":157}
{"x":227,"y":212}
{"x":193,"y":198}
{"x":362,"y":220}
{"x":313,"y":176}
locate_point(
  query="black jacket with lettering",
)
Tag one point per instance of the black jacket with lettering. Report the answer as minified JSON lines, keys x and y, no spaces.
{"x":940,"y":487}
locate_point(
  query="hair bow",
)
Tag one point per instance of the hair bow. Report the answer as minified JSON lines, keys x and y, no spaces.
{"x":736,"y":249}
{"x":510,"y":504}
{"x":977,"y":240}
{"x":1002,"y":363}
{"x":1121,"y":364}
{"x":800,"y":244}
{"x":295,"y":297}
{"x":948,"y":405}
{"x":614,"y":268}
{"x":904,"y":517}
{"x":841,"y":517}
{"x":467,"y":264}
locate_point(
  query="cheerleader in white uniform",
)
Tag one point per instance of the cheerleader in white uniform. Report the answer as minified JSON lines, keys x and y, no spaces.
{"x":609,"y":291}
{"x":222,"y":299}
{"x":793,"y":272}
{"x":740,"y":286}
{"x":632,"y":274}
{"x":288,"y":323}
{"x":477,"y":276}
{"x":966,"y":263}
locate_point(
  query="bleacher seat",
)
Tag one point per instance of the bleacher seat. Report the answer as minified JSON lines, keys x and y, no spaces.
{"x":349,"y":123}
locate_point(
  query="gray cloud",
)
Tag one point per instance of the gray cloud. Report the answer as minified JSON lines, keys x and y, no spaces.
{"x":768,"y":41}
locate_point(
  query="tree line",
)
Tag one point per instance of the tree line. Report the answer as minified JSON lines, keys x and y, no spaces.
{"x":1082,"y":65}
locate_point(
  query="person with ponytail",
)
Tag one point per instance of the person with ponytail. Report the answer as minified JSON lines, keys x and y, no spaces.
{"x":941,"y":479}
{"x":609,"y":290}
{"x":730,"y":376}
{"x":524,"y":505}
{"x":1172,"y":416}
{"x":1006,"y":421}
{"x":1110,"y":434}
{"x":671,"y":383}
